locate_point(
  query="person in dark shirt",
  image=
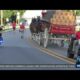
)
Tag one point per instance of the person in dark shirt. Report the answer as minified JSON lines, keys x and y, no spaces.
{"x":0,"y":31}
{"x":78,"y":39}
{"x":13,"y":17}
{"x":38,"y":18}
{"x":1,"y":38}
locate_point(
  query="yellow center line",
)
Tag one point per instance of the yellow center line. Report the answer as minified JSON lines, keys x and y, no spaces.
{"x":59,"y":55}
{"x":54,"y":54}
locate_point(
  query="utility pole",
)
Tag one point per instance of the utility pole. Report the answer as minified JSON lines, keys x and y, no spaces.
{"x":2,"y":17}
{"x":18,"y":17}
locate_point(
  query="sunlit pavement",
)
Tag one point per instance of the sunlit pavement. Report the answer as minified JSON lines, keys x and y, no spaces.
{"x":15,"y":50}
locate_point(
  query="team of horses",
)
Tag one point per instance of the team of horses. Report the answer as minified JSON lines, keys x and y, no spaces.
{"x":38,"y":26}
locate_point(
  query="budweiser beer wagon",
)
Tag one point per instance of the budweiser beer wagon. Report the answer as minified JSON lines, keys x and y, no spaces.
{"x":55,"y":27}
{"x":62,"y":26}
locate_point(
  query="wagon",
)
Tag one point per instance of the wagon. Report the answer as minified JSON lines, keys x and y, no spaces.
{"x":54,"y":33}
{"x":57,"y":32}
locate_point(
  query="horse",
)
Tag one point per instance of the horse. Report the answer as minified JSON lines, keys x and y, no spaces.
{"x":38,"y":26}
{"x":44,"y":24}
{"x":35,"y":26}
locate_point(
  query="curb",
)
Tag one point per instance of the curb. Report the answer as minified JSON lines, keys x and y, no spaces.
{"x":6,"y":30}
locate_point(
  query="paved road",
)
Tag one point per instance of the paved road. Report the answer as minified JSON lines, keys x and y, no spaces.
{"x":60,"y":50}
{"x":19,"y":51}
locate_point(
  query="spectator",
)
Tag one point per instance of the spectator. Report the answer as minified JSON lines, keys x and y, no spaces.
{"x":78,"y":39}
{"x":0,"y":31}
{"x":1,"y":38}
{"x":22,"y":28}
{"x":13,"y":17}
{"x":38,"y":18}
{"x":14,"y":25}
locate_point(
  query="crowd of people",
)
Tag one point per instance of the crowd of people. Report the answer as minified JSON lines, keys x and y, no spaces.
{"x":14,"y":26}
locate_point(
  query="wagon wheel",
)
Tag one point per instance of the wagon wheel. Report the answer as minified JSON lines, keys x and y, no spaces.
{"x":31,"y":36}
{"x":62,"y":43}
{"x":39,"y":39}
{"x":36,"y":37}
{"x":45,"y":38}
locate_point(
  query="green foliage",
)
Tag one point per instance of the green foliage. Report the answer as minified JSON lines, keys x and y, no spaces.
{"x":78,"y":12}
{"x":8,"y":13}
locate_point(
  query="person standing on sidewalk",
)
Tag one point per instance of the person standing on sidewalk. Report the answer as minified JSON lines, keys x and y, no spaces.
{"x":1,"y":38}
{"x":14,"y":25}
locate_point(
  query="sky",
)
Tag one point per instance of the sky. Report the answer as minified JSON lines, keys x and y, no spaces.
{"x":32,"y":13}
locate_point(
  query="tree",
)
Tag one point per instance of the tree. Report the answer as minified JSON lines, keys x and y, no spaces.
{"x":78,"y":12}
{"x":8,"y":13}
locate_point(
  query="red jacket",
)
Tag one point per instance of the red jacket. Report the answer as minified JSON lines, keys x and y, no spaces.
{"x":78,"y":35}
{"x":14,"y":24}
{"x":22,"y":26}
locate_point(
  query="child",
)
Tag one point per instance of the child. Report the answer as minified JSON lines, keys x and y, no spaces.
{"x":22,"y":28}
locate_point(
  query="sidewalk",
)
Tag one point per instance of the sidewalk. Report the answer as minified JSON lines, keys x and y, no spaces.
{"x":10,"y":27}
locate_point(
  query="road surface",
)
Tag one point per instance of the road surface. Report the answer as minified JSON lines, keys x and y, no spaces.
{"x":19,"y":51}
